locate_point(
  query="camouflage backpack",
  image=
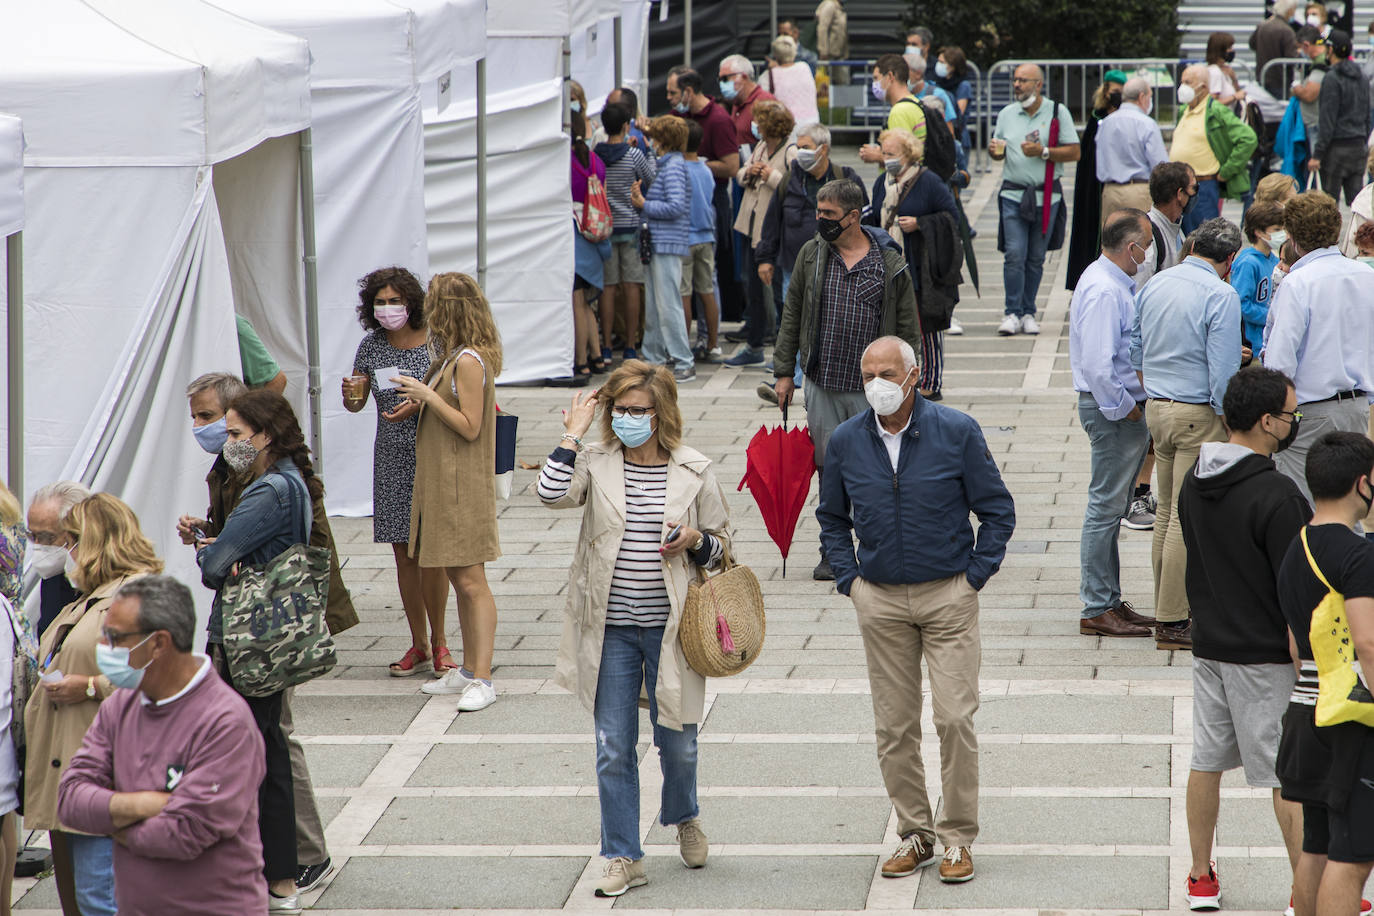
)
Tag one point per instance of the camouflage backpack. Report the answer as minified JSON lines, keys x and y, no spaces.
{"x":274,"y":631}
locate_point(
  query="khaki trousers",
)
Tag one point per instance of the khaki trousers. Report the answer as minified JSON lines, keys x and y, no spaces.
{"x":899,"y":624}
{"x":310,"y":847}
{"x":1178,"y":431}
{"x":1120,"y":196}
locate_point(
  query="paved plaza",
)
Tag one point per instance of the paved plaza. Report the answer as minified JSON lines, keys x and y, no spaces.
{"x":1085,"y":741}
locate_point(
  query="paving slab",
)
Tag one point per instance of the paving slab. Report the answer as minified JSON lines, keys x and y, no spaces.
{"x":342,"y":765}
{"x":754,"y":883}
{"x":783,"y":820}
{"x":787,"y":765}
{"x":508,"y":765}
{"x":815,"y":715}
{"x":1073,"y":821}
{"x":1248,"y":822}
{"x":1066,"y":715}
{"x":447,"y":882}
{"x":1081,"y":765}
{"x":326,"y":715}
{"x":519,"y":821}
{"x":1040,"y":882}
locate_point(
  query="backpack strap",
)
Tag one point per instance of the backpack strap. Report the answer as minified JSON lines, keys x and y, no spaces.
{"x":1312,"y":561}
{"x":1159,"y":245}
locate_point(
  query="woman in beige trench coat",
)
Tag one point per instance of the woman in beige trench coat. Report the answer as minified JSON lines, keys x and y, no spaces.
{"x":653,"y":514}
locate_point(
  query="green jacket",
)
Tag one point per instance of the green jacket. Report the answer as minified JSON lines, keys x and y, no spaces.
{"x":800,"y":328}
{"x":1233,"y":143}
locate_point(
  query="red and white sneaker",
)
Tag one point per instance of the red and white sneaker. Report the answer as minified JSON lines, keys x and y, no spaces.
{"x":1365,"y":907}
{"x":1204,"y":893}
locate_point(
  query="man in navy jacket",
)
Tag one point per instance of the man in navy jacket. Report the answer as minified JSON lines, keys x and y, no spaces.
{"x":904,"y":476}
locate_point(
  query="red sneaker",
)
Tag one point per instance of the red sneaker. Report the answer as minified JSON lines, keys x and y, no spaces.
{"x":1365,"y":908}
{"x":1205,"y":893}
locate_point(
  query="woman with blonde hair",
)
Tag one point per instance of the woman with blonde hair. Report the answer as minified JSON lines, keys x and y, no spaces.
{"x":453,"y":509}
{"x":667,"y":211}
{"x":652,"y":516}
{"x":791,"y":80}
{"x":110,"y":548}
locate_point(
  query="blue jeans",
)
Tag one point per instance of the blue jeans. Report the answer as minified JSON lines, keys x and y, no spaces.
{"x":629,"y":658}
{"x":1023,"y":261}
{"x":665,"y":323}
{"x":93,"y":870}
{"x":1207,"y":206}
{"x":1118,"y":448}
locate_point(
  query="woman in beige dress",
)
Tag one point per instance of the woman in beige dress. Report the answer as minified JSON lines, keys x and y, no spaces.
{"x":453,"y":508}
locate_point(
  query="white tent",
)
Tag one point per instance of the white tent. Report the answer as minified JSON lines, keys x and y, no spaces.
{"x":593,"y":58}
{"x":529,"y":224}
{"x":373,"y":63}
{"x":11,"y":225}
{"x":160,"y":190}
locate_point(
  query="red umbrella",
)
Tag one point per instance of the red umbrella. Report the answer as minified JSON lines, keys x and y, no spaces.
{"x":780,"y":462}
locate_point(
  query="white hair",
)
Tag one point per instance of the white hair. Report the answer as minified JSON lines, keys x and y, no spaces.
{"x":739,"y":63}
{"x":908,"y":354}
{"x":784,"y":49}
{"x":1135,"y":87}
{"x":1285,"y":8}
{"x":819,"y":133}
{"x":66,"y":493}
{"x":915,"y":61}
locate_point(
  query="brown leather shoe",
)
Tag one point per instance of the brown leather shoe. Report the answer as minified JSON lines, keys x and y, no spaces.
{"x":957,"y":865}
{"x":1110,"y":623}
{"x":1176,"y":635}
{"x":914,"y":853}
{"x":1129,"y":615}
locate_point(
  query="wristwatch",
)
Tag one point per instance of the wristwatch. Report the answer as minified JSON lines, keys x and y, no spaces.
{"x":90,"y":687}
{"x":1045,"y":153}
{"x":701,"y":539}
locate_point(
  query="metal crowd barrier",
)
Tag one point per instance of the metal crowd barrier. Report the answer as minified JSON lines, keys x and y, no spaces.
{"x":1292,"y":68}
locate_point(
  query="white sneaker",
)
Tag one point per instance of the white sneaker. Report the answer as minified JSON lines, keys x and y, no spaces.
{"x":1029,"y":325}
{"x":452,"y":683}
{"x":955,"y":328}
{"x":287,"y":905}
{"x":1009,"y":326}
{"x":477,"y":696}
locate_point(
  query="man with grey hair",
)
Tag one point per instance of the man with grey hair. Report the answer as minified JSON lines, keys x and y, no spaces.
{"x":171,"y":766}
{"x":49,"y":544}
{"x":1186,"y":344}
{"x":850,"y":285}
{"x":740,"y":91}
{"x":1129,"y":146}
{"x":904,"y":476}
{"x":1273,"y":38}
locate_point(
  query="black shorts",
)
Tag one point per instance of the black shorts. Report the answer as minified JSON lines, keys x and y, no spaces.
{"x":1342,"y":828}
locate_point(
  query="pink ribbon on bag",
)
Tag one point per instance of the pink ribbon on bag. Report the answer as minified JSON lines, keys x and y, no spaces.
{"x":727,"y":642}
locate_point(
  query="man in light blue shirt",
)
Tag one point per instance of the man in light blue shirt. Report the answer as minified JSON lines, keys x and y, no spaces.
{"x":1186,"y":345}
{"x":1129,"y":146}
{"x":1323,"y":331}
{"x":1022,"y":141}
{"x":1111,"y":411}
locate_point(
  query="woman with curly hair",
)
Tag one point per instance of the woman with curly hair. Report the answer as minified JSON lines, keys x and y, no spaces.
{"x":453,"y":511}
{"x":391,"y":308}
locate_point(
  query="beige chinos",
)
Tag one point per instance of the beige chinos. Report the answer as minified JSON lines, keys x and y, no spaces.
{"x":310,"y":844}
{"x":900,"y":624}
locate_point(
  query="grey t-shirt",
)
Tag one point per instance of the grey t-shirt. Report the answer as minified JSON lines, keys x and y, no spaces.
{"x":1309,"y":109}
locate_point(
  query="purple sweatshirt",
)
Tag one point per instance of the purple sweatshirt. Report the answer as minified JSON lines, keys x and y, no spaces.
{"x":202,"y":854}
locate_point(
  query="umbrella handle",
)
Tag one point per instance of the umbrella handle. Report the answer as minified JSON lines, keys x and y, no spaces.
{"x":784,"y":417}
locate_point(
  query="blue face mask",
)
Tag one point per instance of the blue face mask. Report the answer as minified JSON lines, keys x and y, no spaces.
{"x":576,"y":105}
{"x":728,"y":90}
{"x":633,"y":432}
{"x":211,"y":436}
{"x":754,"y":129}
{"x":114,"y":664}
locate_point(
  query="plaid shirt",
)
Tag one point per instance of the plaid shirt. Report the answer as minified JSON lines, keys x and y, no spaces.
{"x":851,"y":312}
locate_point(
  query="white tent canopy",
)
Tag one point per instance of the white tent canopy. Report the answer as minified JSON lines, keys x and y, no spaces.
{"x":11,"y":175}
{"x":373,"y":62}
{"x":135,"y":111}
{"x":12,"y":223}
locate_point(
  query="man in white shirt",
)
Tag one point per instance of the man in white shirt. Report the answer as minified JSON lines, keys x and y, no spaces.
{"x":1129,"y":146}
{"x":1173,"y":191}
{"x":1323,"y":331}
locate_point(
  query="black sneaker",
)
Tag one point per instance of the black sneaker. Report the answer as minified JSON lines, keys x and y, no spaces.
{"x":822,"y":571}
{"x":739,"y":336}
{"x":309,"y":876}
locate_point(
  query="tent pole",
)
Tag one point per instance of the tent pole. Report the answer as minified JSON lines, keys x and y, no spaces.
{"x":687,"y":33}
{"x":616,"y":36}
{"x":482,"y":173}
{"x":312,"y":301}
{"x":567,"y":88}
{"x":14,"y":308}
{"x":772,"y":25}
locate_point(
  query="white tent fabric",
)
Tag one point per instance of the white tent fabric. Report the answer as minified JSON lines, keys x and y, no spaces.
{"x":593,"y":58}
{"x":370,"y":61}
{"x":11,"y":175}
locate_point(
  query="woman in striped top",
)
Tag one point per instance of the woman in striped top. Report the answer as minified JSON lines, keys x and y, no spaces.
{"x":653,"y":514}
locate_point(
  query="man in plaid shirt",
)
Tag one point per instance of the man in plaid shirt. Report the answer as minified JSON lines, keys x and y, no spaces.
{"x":849,"y":287}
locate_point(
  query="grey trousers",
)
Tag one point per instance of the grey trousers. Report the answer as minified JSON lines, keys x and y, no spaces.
{"x":1318,"y":419}
{"x":310,"y":847}
{"x":825,"y":410}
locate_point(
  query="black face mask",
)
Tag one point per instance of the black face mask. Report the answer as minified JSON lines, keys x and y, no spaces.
{"x":830,"y":229}
{"x":1288,"y":439}
{"x":1114,"y":99}
{"x":1229,"y":55}
{"x":1369,"y":501}
{"x":1192,"y":201}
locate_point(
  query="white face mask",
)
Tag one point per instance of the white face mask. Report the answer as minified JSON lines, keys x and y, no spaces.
{"x":69,"y":566}
{"x":885,"y":397}
{"x":1149,"y":104}
{"x":1029,"y":101}
{"x":1314,"y":20}
{"x":47,"y":560}
{"x":1276,"y":240}
{"x":1140,"y":265}
{"x":1186,"y":94}
{"x":1274,"y":280}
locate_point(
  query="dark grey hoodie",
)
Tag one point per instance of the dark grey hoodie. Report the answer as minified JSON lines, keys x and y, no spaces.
{"x":1343,"y":107}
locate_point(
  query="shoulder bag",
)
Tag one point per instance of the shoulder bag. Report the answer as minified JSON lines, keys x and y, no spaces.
{"x":723,"y":620}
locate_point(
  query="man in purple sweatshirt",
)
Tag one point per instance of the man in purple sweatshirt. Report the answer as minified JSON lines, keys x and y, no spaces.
{"x":170,"y":767}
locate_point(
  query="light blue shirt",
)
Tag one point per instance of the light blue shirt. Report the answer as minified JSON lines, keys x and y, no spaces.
{"x":1100,"y":321}
{"x":929,"y":89}
{"x":1129,"y":146}
{"x":1186,"y":338}
{"x":1323,"y":331}
{"x":1014,"y":125}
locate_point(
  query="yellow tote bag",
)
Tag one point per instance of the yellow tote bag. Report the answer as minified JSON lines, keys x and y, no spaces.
{"x":1342,"y":694}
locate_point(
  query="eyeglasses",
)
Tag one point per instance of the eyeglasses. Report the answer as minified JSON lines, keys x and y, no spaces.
{"x":635,"y":412}
{"x":730,"y":76}
{"x":112,"y":637}
{"x":394,"y":300}
{"x":46,"y":538}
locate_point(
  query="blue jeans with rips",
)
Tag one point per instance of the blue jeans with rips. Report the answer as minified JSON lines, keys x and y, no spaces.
{"x":629,"y":658}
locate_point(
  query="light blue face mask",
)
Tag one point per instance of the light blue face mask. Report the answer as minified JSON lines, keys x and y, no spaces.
{"x":754,"y":129}
{"x":576,"y":105}
{"x":632,"y":431}
{"x":728,"y":90}
{"x":211,"y":436}
{"x":114,"y":664}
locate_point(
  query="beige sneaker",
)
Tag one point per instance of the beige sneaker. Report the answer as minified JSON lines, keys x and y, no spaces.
{"x":620,"y":875}
{"x":692,"y":843}
{"x":957,"y":865}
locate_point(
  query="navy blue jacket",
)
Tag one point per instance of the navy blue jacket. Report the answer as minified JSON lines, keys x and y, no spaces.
{"x":913,"y":525}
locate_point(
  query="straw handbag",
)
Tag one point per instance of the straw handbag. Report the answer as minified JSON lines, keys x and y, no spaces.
{"x":723,"y":621}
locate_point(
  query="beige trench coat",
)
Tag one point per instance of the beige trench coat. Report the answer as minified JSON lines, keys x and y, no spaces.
{"x":759,"y":193}
{"x":598,"y":483}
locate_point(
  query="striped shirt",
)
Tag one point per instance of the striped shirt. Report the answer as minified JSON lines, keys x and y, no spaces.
{"x":1305,"y":690}
{"x":639,"y":594}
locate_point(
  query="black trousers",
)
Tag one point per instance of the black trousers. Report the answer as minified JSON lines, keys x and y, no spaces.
{"x":276,"y":797}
